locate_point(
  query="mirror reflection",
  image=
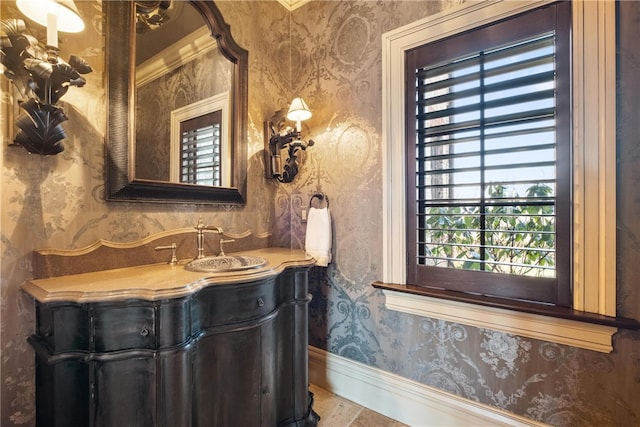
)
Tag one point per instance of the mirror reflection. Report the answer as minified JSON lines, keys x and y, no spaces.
{"x":177,"y":110}
{"x":183,"y":84}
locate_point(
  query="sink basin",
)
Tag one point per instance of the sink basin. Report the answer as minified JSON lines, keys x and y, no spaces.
{"x":214,"y":264}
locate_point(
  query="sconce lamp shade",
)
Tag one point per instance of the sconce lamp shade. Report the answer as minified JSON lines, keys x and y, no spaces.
{"x":298,"y":111}
{"x":66,"y":12}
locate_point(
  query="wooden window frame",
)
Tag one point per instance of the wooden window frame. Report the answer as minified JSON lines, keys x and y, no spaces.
{"x":592,"y":322}
{"x":554,"y":18}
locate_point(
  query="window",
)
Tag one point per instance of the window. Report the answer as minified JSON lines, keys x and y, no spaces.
{"x":200,"y":142}
{"x":488,"y":121}
{"x":593,"y":184}
{"x":200,"y":149}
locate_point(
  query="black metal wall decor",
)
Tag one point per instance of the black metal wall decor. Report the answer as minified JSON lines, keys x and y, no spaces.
{"x":278,"y":137}
{"x":41,"y":79}
{"x":292,"y":142}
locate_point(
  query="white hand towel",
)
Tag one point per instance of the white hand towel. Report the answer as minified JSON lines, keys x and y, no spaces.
{"x":318,"y":240}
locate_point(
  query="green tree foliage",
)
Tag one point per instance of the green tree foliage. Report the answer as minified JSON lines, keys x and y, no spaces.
{"x":511,"y":235}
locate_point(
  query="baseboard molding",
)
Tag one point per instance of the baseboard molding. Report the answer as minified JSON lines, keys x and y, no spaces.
{"x":400,"y":398}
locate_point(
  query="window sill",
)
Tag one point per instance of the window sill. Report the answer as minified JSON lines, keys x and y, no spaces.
{"x":562,"y":326}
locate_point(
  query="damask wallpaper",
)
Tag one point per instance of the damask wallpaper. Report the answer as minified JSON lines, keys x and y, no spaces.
{"x":338,"y":47}
{"x":328,"y":52}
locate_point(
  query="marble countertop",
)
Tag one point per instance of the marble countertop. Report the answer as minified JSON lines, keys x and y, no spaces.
{"x":156,"y":281}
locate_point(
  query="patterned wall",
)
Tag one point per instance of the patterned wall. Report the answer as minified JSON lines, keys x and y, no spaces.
{"x":338,"y":47}
{"x":329,"y":53}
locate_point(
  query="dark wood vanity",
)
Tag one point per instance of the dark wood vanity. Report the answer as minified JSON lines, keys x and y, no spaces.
{"x":157,"y":345}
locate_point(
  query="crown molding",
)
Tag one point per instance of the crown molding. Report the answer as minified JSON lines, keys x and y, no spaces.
{"x":292,"y":5}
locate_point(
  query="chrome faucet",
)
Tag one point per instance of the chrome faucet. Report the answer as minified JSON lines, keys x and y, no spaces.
{"x":200,"y":227}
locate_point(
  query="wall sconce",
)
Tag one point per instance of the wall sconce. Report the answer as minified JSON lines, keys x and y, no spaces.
{"x":288,"y":138}
{"x":40,"y":77}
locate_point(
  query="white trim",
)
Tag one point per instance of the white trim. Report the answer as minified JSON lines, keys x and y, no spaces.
{"x":562,"y":331}
{"x":594,"y":141}
{"x":292,"y":5}
{"x":594,"y":157}
{"x":199,"y":108}
{"x":402,"y":399}
{"x":176,"y":55}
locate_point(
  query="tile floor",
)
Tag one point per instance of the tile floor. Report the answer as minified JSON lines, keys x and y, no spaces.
{"x":336,"y":411}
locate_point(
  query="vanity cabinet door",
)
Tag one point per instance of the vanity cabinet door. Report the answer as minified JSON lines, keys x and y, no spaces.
{"x":235,"y":377}
{"x":270,"y":386}
{"x":124,"y":392}
{"x":226,"y":376}
{"x":62,"y":397}
{"x":174,"y":381}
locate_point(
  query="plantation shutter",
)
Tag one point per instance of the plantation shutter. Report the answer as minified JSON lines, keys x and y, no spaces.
{"x":490,"y":173}
{"x":200,"y":149}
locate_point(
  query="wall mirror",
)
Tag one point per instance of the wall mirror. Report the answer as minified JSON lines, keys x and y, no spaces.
{"x":176,"y":80}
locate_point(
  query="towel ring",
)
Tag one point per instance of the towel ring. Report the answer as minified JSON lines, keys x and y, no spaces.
{"x":321,"y":197}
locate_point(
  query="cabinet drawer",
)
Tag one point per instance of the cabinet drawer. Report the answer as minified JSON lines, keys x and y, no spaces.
{"x":235,"y":303}
{"x":124,"y":327}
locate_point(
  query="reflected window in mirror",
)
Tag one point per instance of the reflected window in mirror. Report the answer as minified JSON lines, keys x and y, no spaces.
{"x":200,"y":139}
{"x":200,"y":149}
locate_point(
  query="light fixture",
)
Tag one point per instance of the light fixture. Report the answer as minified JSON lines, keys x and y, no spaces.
{"x":66,"y":15}
{"x":298,"y":112}
{"x":280,"y":137}
{"x":39,"y":75}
